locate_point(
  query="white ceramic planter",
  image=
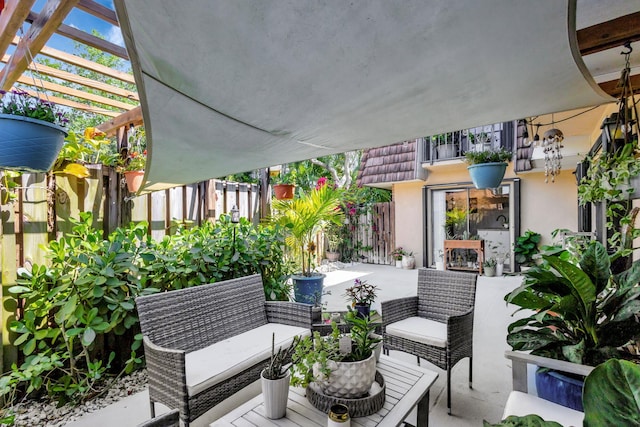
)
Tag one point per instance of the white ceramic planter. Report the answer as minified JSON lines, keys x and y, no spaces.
{"x":348,"y":379}
{"x":408,"y":262}
{"x":276,"y":393}
{"x":398,"y":263}
{"x":439,"y":265}
{"x":499,"y":269}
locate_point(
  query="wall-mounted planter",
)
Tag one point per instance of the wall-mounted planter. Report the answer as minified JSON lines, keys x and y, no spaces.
{"x":29,"y":145}
{"x":134,"y":180}
{"x":487,"y":175}
{"x":284,"y":191}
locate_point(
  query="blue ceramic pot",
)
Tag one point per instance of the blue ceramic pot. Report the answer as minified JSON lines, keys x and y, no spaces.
{"x":487,"y":175}
{"x":560,"y":388}
{"x":363,"y":310}
{"x":306,"y":288}
{"x":29,"y":145}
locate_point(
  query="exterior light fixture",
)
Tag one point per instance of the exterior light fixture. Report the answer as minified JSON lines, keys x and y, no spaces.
{"x":235,"y":214}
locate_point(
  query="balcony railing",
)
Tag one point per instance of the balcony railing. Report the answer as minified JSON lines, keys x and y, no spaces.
{"x":453,"y":145}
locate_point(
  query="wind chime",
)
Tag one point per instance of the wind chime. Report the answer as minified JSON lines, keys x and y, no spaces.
{"x":551,"y":145}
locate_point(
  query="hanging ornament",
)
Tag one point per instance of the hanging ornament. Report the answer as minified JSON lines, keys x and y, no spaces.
{"x":552,"y":145}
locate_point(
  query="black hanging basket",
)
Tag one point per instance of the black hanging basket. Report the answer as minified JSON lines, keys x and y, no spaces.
{"x":29,"y":145}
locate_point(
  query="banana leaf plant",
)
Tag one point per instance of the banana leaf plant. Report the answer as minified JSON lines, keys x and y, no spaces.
{"x":582,"y":312}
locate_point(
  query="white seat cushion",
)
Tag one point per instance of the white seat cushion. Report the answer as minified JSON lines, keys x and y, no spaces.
{"x":222,"y":360}
{"x":522,"y":404}
{"x":420,"y":330}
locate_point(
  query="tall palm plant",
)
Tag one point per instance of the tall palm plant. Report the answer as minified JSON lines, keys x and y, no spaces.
{"x":304,"y":217}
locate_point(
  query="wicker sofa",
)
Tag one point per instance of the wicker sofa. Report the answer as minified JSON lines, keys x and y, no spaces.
{"x":205,"y":343}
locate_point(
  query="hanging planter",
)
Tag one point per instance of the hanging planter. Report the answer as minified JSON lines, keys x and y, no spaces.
{"x":134,"y":180}
{"x":284,"y":191}
{"x":487,"y":167}
{"x":29,"y":145}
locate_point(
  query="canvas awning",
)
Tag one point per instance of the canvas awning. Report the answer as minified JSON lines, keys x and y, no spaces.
{"x":230,"y":86}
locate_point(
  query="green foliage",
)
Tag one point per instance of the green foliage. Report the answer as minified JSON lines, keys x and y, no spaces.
{"x":317,"y":351}
{"x":526,"y":247}
{"x":274,"y":369}
{"x":19,"y":103}
{"x":86,"y":296}
{"x":526,"y":421}
{"x":611,"y":395}
{"x":361,"y":292}
{"x":303,"y":217}
{"x":488,"y":156}
{"x":583,"y":312}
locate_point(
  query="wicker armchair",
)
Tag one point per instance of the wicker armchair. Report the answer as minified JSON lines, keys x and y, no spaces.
{"x":205,"y":343}
{"x":437,"y":324}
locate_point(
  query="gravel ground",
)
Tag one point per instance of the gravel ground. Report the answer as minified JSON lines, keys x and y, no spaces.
{"x":32,"y":413}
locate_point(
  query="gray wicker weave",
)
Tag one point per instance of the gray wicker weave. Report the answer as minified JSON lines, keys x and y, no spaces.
{"x":169,"y":419}
{"x":178,"y":322}
{"x":443,"y":296}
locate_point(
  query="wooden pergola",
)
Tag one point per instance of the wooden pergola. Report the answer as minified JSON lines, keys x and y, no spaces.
{"x":603,"y":36}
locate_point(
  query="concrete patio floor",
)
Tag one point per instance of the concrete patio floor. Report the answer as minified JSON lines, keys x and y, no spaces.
{"x":491,"y":373}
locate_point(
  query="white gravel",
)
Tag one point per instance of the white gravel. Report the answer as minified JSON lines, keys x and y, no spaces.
{"x":41,"y":413}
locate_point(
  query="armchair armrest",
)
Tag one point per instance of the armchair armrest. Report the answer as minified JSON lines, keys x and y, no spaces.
{"x":289,"y":313}
{"x":460,"y":328}
{"x":520,"y":361}
{"x":398,"y":309}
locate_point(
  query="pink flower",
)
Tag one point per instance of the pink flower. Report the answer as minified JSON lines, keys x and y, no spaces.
{"x":321,"y":183}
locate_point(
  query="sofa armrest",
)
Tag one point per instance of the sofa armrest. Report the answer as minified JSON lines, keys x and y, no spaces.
{"x":166,"y":371}
{"x":520,"y":360}
{"x":398,"y":309}
{"x":289,"y":313}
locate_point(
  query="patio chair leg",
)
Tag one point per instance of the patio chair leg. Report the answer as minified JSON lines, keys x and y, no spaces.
{"x":471,"y":372}
{"x":449,"y":390}
{"x":418,"y":357}
{"x":153,"y":409}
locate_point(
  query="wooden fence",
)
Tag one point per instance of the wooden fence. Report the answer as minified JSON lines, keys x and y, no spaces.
{"x":44,"y":204}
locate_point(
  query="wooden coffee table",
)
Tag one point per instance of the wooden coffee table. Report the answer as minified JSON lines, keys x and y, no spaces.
{"x":407,"y":387}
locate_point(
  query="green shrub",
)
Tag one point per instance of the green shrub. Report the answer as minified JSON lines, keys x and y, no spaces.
{"x":488,"y":156}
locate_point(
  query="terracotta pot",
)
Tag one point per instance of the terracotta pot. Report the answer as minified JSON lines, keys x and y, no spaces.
{"x":284,"y":191}
{"x":134,"y":180}
{"x":332,"y":256}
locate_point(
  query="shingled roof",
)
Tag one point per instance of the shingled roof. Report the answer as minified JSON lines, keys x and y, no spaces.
{"x":391,"y":163}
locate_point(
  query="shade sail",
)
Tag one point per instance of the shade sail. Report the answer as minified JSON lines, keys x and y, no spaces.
{"x":231,"y":86}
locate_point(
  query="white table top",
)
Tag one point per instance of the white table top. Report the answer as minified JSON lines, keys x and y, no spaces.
{"x":406,"y":385}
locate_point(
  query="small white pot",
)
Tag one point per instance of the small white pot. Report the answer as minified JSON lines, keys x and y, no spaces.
{"x":499,"y":268}
{"x":398,"y":263}
{"x":408,"y":262}
{"x":439,"y":265}
{"x":276,"y":393}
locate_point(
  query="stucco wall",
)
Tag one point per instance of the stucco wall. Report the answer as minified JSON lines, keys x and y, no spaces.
{"x":543,"y":208}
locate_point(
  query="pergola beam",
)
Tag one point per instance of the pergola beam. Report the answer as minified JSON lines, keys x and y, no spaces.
{"x":610,"y":34}
{"x":133,"y":117}
{"x":53,"y":12}
{"x":84,"y":63}
{"x":55,"y":87}
{"x":73,"y":104}
{"x":612,"y":88}
{"x":12,"y":17}
{"x":99,"y":11}
{"x":86,"y":38}
{"x":70,"y":77}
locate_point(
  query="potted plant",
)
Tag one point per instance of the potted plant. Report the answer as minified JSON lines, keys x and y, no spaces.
{"x":274,"y":379}
{"x":583,"y":313}
{"x":132,"y":166}
{"x":397,"y":254}
{"x":332,"y":233}
{"x":408,"y":261}
{"x":284,"y":185}
{"x":340,"y":365}
{"x":447,"y":148}
{"x":487,"y":168}
{"x":361,"y":295}
{"x":32,"y":132}
{"x":525,"y":248}
{"x":489,"y":267}
{"x":301,"y":219}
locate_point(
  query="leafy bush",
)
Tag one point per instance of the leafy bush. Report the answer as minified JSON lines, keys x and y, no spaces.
{"x":79,"y":321}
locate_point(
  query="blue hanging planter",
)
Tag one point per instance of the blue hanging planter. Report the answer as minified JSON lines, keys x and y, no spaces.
{"x":487,"y":175}
{"x":29,"y":145}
